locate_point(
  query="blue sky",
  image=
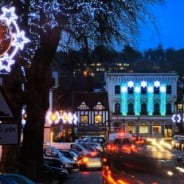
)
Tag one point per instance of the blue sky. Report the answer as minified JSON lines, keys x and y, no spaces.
{"x":169,"y":31}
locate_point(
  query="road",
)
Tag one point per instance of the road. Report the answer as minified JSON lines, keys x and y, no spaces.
{"x":151,"y":166}
{"x":85,"y":177}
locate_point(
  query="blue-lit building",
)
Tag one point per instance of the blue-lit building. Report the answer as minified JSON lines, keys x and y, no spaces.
{"x":142,"y":103}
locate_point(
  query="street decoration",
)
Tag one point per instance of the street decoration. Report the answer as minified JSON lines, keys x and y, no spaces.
{"x":176,"y":118}
{"x":12,"y":39}
{"x":65,"y":117}
{"x":52,"y":117}
{"x":68,"y":117}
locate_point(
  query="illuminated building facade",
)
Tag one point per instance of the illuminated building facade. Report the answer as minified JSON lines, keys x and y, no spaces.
{"x":142,"y":103}
{"x":92,"y":111}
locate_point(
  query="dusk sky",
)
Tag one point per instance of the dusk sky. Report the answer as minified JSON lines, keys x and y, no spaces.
{"x":169,"y":20}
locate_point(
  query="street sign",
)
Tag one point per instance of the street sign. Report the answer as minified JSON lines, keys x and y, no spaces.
{"x":5,"y":110}
{"x":8,"y":133}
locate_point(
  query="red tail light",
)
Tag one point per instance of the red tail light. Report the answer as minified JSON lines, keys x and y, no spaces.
{"x":85,"y":159}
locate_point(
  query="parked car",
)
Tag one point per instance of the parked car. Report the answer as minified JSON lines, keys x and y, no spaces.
{"x":95,"y":139}
{"x":50,"y":152}
{"x":71,"y":155}
{"x":54,"y":172}
{"x":6,"y":180}
{"x":20,"y":179}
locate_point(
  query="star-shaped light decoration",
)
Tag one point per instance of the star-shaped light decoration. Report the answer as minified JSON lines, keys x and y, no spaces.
{"x":19,"y":40}
{"x":17,"y":37}
{"x":143,"y":84}
{"x":130,"y":84}
{"x":8,"y":15}
{"x":157,"y":84}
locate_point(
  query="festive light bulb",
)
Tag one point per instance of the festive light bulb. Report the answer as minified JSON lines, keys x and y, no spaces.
{"x":157,"y":84}
{"x":143,"y":84}
{"x":130,"y":84}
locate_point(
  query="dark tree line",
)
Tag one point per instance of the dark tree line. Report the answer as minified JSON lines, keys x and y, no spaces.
{"x":166,"y":60}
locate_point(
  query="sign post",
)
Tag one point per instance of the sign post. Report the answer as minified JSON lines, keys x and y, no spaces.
{"x":9,"y":133}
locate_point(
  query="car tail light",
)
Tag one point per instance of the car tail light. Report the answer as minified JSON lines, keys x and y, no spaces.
{"x":85,"y":159}
{"x":94,"y":153}
{"x":104,"y":160}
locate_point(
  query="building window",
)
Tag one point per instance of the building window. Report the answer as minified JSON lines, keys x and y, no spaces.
{"x":156,"y":109}
{"x":98,"y":119}
{"x":179,"y":107}
{"x":156,"y":90}
{"x":143,"y":129}
{"x":169,"y":89}
{"x":168,"y":108}
{"x":83,"y":106}
{"x":84,"y":119}
{"x":130,"y":109}
{"x":143,"y":90}
{"x":117,"y":89}
{"x":143,"y":108}
{"x":117,"y":108}
{"x":130,"y":90}
{"x":99,"y":106}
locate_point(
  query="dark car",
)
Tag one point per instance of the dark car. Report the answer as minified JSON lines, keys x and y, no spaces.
{"x":71,"y":155}
{"x":20,"y":179}
{"x":55,"y":172}
{"x":6,"y":180}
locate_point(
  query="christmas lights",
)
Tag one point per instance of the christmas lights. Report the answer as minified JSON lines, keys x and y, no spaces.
{"x":163,"y":99}
{"x":14,"y":35}
{"x":150,"y":97}
{"x":137,"y":100}
{"x":124,"y":100}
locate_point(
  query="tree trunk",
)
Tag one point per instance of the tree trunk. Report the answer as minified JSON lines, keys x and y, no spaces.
{"x":37,"y":105}
{"x":38,"y":84}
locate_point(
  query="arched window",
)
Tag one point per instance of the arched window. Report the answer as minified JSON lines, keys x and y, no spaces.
{"x":130,"y":109}
{"x":156,"y":109}
{"x":143,"y":90}
{"x":168,"y":108}
{"x":117,"y":108}
{"x":143,"y":108}
{"x":117,"y":89}
{"x":156,"y":90}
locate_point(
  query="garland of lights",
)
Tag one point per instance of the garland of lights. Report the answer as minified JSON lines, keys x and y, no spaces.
{"x":56,"y":117}
{"x":11,"y":33}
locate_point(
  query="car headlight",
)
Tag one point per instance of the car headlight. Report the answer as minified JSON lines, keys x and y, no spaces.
{"x":170,"y":173}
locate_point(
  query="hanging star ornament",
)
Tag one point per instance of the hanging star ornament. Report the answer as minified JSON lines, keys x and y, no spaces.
{"x":12,"y":39}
